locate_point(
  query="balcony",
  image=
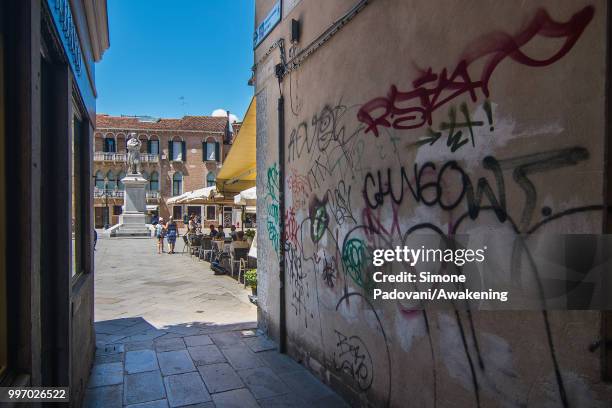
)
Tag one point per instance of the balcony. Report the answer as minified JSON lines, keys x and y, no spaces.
{"x":153,"y":195}
{"x":110,"y":157}
{"x":101,"y":193}
{"x":122,"y":157}
{"x":149,"y":158}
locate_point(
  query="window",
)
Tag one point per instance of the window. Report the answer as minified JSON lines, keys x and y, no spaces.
{"x":145,"y":176}
{"x":154,"y":182}
{"x":153,"y":147}
{"x":177,"y":184}
{"x":120,"y":177}
{"x":177,"y":150}
{"x":109,"y":145}
{"x":211,"y":180}
{"x":117,"y":210}
{"x":211,"y":212}
{"x":78,"y":186}
{"x":99,"y":180}
{"x":211,"y":151}
{"x":177,"y":212}
{"x":112,"y":182}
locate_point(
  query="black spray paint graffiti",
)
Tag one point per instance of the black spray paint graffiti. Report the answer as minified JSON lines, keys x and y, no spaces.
{"x":423,"y":190}
{"x":457,"y":133}
{"x":331,"y":148}
{"x":353,"y":358}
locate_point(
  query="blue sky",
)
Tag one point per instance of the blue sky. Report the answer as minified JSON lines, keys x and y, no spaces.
{"x":200,"y":50}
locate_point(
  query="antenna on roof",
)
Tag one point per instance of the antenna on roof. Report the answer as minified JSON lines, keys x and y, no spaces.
{"x":183,"y":103}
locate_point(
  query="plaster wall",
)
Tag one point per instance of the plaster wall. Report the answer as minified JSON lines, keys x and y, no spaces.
{"x":356,"y":115}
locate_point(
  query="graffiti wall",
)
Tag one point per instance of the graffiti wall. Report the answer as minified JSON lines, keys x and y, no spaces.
{"x":438,"y":117}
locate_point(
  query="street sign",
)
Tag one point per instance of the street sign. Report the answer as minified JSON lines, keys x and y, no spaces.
{"x":271,"y":20}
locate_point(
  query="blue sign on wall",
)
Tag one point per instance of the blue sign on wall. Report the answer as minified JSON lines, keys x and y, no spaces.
{"x":271,"y":20}
{"x":64,"y":23}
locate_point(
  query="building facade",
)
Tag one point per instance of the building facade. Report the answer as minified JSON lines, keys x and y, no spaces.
{"x":380,"y":119}
{"x":178,"y":155}
{"x":48,"y":51}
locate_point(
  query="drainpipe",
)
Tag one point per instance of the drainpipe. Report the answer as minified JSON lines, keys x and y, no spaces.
{"x":281,"y":209}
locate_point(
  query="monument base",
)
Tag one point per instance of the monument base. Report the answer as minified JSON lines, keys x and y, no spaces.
{"x":132,"y":221}
{"x":131,"y":225}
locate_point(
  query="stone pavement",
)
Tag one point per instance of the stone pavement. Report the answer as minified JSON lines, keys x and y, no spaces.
{"x":146,"y":359}
{"x":132,"y":280}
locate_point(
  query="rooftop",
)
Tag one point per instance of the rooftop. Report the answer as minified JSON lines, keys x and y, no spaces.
{"x":201,"y":123}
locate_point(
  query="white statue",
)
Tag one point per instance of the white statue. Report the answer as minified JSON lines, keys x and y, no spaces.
{"x":133,"y":158}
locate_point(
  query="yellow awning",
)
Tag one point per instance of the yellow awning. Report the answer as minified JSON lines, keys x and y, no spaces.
{"x":239,"y":168}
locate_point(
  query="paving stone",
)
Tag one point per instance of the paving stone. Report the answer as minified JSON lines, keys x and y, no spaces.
{"x":110,"y":349}
{"x":139,"y":345}
{"x":240,"y":398}
{"x":306,"y":386}
{"x":175,"y":362}
{"x":241,"y":358}
{"x":226,"y":339}
{"x":163,"y":403}
{"x":169,"y":344}
{"x":140,"y":361}
{"x":263,"y":382}
{"x":329,"y":401}
{"x":104,"y":397}
{"x":220,"y":377}
{"x":202,"y":355}
{"x":260,"y":343}
{"x":201,"y":340}
{"x":143,"y":387}
{"x":282,"y":401}
{"x":279,"y":363}
{"x":201,"y":405}
{"x":185,"y":389}
{"x":109,"y":358}
{"x":106,"y":374}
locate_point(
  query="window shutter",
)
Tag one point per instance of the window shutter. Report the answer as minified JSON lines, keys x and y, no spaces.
{"x":217,"y":151}
{"x":203,"y":151}
{"x":149,"y":146}
{"x":170,"y":152}
{"x":184,"y":151}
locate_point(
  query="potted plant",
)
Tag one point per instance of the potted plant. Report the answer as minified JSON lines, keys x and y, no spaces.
{"x":249,"y":234}
{"x":250,"y":279}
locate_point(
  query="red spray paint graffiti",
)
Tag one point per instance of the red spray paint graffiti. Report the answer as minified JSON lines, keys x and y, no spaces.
{"x":414,"y":108}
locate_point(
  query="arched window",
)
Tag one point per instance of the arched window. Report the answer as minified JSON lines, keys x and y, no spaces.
{"x":177,"y":183}
{"x":109,"y":145}
{"x":99,"y":180}
{"x":120,"y":177}
{"x":154,"y":182}
{"x":211,"y":180}
{"x":112,"y":181}
{"x":145,"y":176}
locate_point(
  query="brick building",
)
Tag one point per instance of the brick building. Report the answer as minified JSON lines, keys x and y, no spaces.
{"x":178,"y":155}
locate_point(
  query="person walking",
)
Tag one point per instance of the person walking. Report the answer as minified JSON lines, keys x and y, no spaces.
{"x":159,"y":234}
{"x":171,"y":233}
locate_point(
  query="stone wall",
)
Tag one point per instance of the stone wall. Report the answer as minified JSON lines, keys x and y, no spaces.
{"x":511,"y":97}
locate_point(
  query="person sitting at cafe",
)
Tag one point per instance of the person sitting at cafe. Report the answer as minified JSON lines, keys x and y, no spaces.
{"x":240,"y":242}
{"x":192,"y":225}
{"x":213,"y":231}
{"x":220,"y":234}
{"x":233,"y":232}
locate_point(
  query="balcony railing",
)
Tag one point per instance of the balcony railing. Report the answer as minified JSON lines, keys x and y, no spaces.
{"x":110,"y":157}
{"x":101,"y":193}
{"x":153,"y":195}
{"x":149,"y":158}
{"x":122,"y":157}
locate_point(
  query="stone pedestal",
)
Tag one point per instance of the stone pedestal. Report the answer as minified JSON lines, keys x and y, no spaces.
{"x":132,"y":220}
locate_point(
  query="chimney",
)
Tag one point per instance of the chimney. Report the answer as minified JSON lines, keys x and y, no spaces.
{"x":229,"y":130}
